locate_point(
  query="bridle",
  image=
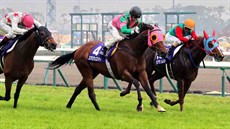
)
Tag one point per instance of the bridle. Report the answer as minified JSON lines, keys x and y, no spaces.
{"x":41,"y":40}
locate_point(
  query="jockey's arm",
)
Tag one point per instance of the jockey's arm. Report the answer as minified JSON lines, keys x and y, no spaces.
{"x":193,"y":34}
{"x":126,"y":30}
{"x":179,"y":35}
{"x":124,"y":26}
{"x":15,"y":28}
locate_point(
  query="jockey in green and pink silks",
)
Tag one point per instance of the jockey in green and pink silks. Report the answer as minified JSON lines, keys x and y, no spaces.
{"x":123,"y":25}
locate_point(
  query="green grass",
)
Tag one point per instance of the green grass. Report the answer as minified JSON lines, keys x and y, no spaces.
{"x":42,"y":107}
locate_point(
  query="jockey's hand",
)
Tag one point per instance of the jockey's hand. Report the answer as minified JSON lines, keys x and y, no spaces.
{"x":135,"y":31}
{"x":19,"y":33}
{"x":11,"y":34}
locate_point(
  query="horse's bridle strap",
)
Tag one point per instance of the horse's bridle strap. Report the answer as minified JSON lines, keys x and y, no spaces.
{"x":41,"y":41}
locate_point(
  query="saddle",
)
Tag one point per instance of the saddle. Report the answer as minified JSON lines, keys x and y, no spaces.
{"x":170,"y":55}
{"x":8,"y":46}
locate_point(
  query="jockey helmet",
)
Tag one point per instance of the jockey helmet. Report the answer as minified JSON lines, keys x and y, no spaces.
{"x":27,"y":20}
{"x":135,"y":12}
{"x":189,"y":23}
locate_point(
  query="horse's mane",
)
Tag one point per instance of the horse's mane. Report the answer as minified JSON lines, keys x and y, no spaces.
{"x":191,"y":43}
{"x":144,"y":26}
{"x":27,"y":34}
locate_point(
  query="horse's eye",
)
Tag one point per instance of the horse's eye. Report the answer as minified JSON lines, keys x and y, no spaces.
{"x":42,"y":34}
{"x":210,"y":44}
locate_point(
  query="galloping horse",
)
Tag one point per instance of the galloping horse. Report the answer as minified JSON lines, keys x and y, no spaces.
{"x":184,"y":65}
{"x":127,"y":64}
{"x":18,"y":63}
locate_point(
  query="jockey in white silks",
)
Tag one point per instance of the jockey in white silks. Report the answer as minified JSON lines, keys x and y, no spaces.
{"x":16,"y":23}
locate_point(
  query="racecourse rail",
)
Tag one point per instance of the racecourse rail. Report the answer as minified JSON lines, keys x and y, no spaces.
{"x":223,"y":66}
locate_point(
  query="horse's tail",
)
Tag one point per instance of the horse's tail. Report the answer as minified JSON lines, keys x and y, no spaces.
{"x":64,"y":59}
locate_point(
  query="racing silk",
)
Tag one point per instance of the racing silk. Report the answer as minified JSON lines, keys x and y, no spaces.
{"x":124,"y":23}
{"x":14,"y":19}
{"x":178,"y":31}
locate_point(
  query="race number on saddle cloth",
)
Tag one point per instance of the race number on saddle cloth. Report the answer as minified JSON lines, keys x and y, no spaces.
{"x":95,"y":53}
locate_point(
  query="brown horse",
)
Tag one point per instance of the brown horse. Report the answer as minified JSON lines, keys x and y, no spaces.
{"x":127,"y":64}
{"x":19,"y":63}
{"x":184,"y":65}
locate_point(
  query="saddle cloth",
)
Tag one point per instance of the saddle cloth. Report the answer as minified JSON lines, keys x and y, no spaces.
{"x":6,"y":49}
{"x":97,"y":57}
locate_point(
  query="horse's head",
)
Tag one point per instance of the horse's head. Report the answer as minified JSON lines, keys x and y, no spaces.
{"x":211,"y":46}
{"x":156,"y":38}
{"x":45,"y":38}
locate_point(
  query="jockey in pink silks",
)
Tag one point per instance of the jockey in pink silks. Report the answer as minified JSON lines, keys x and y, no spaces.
{"x":123,"y":25}
{"x":16,"y":23}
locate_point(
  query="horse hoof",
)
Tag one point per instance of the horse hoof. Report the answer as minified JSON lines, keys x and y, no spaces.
{"x":168,"y":101}
{"x":160,"y":109}
{"x":140,"y":108}
{"x":123,"y":93}
{"x":68,"y":106}
{"x":151,"y":104}
{"x":2,"y":98}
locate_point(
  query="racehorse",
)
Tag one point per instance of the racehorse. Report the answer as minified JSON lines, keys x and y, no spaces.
{"x":184,"y":65}
{"x":127,"y":64}
{"x":18,"y":63}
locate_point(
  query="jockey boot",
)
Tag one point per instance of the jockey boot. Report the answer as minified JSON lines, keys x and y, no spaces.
{"x":104,"y":51}
{"x":4,"y":42}
{"x":171,"y":49}
{"x":169,"y":52}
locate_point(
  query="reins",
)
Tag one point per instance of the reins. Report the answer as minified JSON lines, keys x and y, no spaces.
{"x":190,"y":56}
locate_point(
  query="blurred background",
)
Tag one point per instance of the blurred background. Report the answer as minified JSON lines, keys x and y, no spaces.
{"x":73,"y":29}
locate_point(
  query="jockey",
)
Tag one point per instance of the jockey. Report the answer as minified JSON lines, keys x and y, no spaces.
{"x":16,"y":23}
{"x":181,"y":33}
{"x":123,"y":25}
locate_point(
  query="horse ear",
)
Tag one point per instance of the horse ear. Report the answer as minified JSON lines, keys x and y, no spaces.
{"x":205,"y":34}
{"x":213,"y":33}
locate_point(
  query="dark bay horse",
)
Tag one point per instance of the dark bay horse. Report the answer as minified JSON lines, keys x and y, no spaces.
{"x":18,"y":64}
{"x":184,"y":66}
{"x":128,"y":64}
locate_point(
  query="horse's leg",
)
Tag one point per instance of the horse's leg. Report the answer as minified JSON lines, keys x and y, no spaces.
{"x":144,"y":83}
{"x":77,"y":91}
{"x":8,"y":85}
{"x":182,"y":90}
{"x":180,"y":94}
{"x":91,"y":93}
{"x":126,"y":91}
{"x":129,"y":78}
{"x":18,"y":89}
{"x":152,"y":79}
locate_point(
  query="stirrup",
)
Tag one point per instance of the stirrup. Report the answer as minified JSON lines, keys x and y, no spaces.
{"x":104,"y":50}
